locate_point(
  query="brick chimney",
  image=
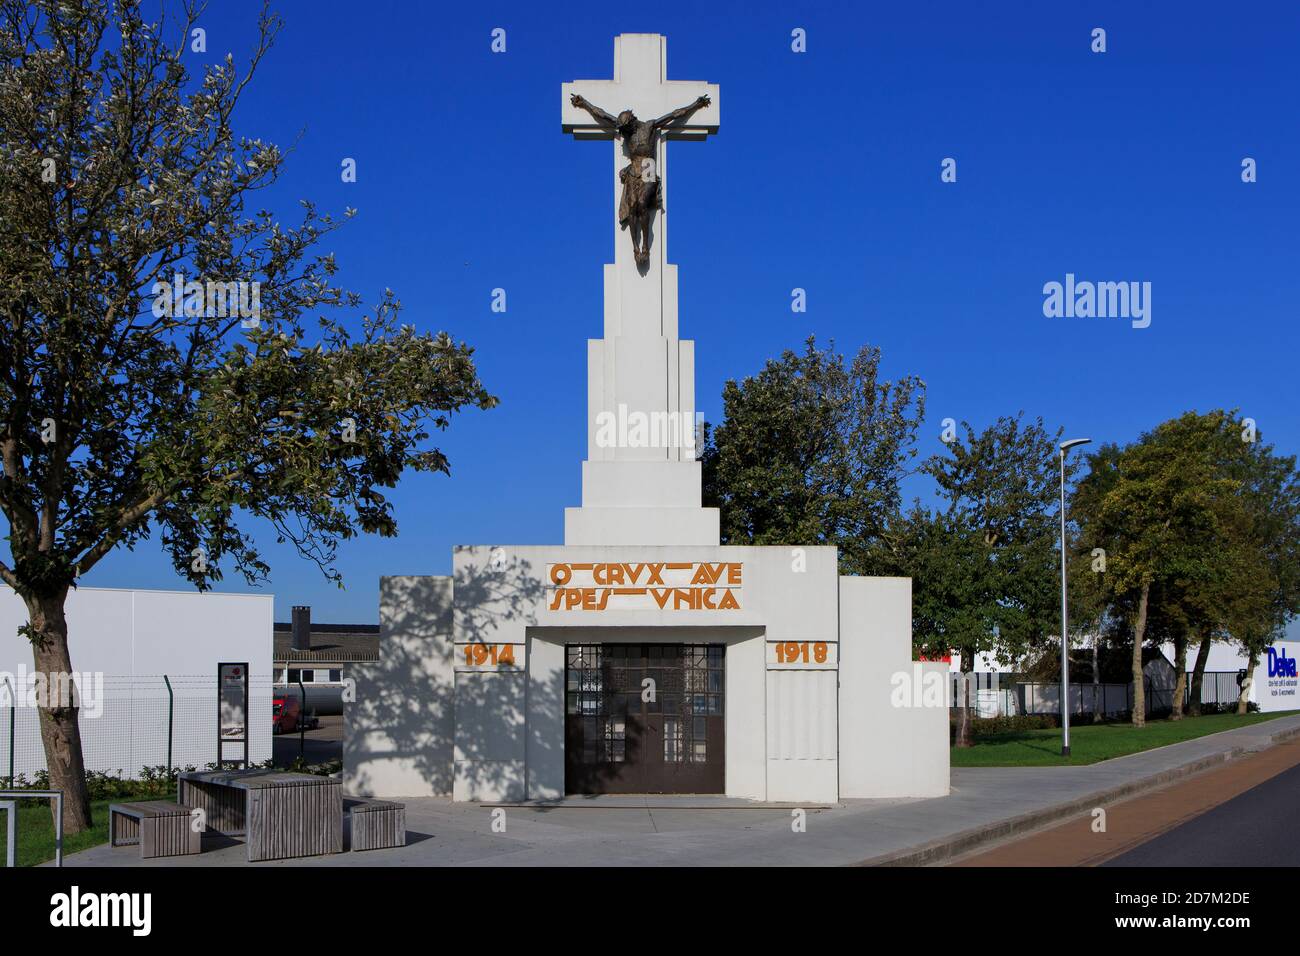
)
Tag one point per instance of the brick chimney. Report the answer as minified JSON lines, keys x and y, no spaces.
{"x":301,"y":639}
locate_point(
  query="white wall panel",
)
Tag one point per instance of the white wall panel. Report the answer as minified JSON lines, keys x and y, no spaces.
{"x":801,"y":715}
{"x":127,"y":640}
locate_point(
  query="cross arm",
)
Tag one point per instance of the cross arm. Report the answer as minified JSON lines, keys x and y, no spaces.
{"x":647,"y":100}
{"x":599,"y":115}
{"x":579,"y":119}
{"x":681,"y":113}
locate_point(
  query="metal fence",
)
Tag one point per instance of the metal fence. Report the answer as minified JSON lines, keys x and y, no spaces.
{"x":987,"y":698}
{"x":1217,"y":688}
{"x":1043,"y":697}
{"x":134,"y":722}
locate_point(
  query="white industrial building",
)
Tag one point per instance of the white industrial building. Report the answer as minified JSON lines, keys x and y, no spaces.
{"x":1273,"y":687}
{"x":126,"y":647}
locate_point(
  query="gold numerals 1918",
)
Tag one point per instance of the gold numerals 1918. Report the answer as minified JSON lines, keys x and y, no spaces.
{"x":793,"y":652}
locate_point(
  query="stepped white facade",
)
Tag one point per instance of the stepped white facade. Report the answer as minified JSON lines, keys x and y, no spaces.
{"x":641,"y":656}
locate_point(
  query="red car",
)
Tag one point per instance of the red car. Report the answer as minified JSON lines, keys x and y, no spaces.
{"x":287,"y":712}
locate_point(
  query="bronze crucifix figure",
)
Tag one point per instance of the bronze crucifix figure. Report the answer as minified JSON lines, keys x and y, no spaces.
{"x":641,"y":196}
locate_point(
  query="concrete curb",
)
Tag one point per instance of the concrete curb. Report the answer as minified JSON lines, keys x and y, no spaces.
{"x":949,"y":847}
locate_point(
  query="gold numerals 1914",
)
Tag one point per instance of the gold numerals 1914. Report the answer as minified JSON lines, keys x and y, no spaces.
{"x":479,"y":655}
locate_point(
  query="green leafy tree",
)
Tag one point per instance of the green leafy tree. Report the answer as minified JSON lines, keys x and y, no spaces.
{"x":953,"y":582}
{"x":1172,"y":619}
{"x":1214,"y":572}
{"x":1155,"y":506}
{"x":124,"y":416}
{"x":984,"y":562}
{"x":1260,"y":552}
{"x":811,"y":450}
{"x":954,"y":592}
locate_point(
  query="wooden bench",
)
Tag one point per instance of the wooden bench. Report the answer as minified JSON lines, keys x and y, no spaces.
{"x":159,"y":827}
{"x":376,"y":824}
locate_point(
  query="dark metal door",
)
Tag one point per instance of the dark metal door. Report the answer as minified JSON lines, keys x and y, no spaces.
{"x":645,"y":718}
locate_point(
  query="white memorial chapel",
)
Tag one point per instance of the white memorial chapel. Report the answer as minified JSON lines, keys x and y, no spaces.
{"x":640,"y":656}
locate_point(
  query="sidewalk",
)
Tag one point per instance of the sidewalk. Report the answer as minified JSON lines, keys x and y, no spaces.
{"x":1222,"y":805}
{"x":985,"y":804}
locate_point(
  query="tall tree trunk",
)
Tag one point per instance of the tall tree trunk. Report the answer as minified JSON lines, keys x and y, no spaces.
{"x":1139,"y":633}
{"x":1198,"y":672}
{"x":963,"y":708}
{"x":1180,"y":665}
{"x":1243,"y":699}
{"x":60,"y":731}
{"x":1098,"y":706}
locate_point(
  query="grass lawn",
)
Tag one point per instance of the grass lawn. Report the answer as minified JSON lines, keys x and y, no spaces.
{"x":36,"y":829}
{"x":1090,"y":743}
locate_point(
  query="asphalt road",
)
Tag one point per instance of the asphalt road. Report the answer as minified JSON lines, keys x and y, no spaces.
{"x":321,"y":745}
{"x":1253,"y":829}
{"x":1231,"y":814}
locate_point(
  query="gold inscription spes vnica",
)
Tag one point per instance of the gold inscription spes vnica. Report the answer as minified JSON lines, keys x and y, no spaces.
{"x":663,"y":585}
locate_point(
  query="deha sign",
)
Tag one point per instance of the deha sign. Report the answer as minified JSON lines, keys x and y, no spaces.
{"x":1279,"y":665}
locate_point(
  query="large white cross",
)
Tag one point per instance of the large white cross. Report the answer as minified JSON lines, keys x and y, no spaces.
{"x":640,"y":84}
{"x":630,"y":494}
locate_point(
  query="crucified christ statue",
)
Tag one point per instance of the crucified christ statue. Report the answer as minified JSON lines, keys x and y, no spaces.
{"x":641,"y":184}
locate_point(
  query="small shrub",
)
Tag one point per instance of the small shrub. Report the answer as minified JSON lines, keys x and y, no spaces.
{"x":326,"y":769}
{"x":1017,"y":723}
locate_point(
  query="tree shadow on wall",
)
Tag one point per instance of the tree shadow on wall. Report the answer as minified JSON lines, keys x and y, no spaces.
{"x":410,"y":704}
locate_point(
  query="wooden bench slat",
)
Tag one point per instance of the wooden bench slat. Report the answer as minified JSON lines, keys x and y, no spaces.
{"x":152,"y":808}
{"x":158,"y":827}
{"x":376,"y":824}
{"x":368,"y":804}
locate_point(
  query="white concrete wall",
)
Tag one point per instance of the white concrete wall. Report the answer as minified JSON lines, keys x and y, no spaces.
{"x":985,"y":663}
{"x":500,"y":597}
{"x":491,"y":749}
{"x":397,"y":734}
{"x":1223,"y":656}
{"x":130,"y":639}
{"x":791,"y":734}
{"x":888,"y":750}
{"x":497,"y":597}
{"x":746,"y":707}
{"x":544,"y":749}
{"x":802,"y":736}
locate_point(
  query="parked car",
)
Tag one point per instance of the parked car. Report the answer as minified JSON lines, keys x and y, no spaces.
{"x":287,"y":714}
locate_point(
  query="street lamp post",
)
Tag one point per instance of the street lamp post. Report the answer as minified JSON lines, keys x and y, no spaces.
{"x":1065,"y":613}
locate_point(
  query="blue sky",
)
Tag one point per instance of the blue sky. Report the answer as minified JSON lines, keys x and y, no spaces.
{"x":825,"y":176}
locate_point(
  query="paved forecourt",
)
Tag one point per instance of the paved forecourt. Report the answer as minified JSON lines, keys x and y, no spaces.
{"x":640,"y":831}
